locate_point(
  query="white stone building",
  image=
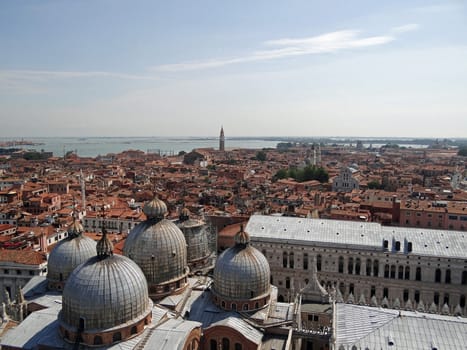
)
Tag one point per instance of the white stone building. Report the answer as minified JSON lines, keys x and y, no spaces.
{"x":17,"y":267}
{"x":368,"y":264}
{"x":346,"y":181}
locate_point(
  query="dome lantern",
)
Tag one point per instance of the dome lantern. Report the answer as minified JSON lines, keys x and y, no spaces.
{"x":156,"y":209}
{"x":104,"y":247}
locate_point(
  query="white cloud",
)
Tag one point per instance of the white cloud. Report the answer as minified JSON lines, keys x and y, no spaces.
{"x":405,"y":28}
{"x":326,"y":43}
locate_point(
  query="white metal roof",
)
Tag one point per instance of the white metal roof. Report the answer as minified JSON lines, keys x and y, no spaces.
{"x":357,"y":235}
{"x":170,"y":335}
{"x":376,"y":328}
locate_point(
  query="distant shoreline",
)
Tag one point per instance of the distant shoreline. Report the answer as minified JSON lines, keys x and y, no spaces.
{"x":95,"y":146}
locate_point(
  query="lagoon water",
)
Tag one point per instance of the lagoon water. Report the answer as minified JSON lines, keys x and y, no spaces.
{"x":94,"y":146}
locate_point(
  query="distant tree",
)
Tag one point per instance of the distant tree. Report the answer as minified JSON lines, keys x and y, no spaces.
{"x":282,"y":145}
{"x":462,"y":151}
{"x":181,"y":153}
{"x":374,"y":185}
{"x":311,"y":172}
{"x":33,"y":156}
{"x":261,"y":156}
{"x":281,"y":174}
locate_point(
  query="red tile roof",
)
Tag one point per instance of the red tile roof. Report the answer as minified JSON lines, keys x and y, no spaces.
{"x":26,"y":257}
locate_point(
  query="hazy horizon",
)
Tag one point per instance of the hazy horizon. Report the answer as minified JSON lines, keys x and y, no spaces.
{"x":265,"y":68}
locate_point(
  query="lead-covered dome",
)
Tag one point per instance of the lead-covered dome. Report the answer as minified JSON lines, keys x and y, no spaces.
{"x":68,"y":254}
{"x":159,"y":248}
{"x":241,"y":276}
{"x":196,"y":234}
{"x":105,"y":299}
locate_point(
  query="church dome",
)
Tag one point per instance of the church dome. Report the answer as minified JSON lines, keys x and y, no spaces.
{"x":241,"y":276}
{"x":105,"y":299}
{"x":159,"y":248}
{"x":68,"y":254}
{"x":196,"y":234}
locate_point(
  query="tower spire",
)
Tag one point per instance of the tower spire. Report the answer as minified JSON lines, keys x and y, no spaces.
{"x":222,"y":140}
{"x":83,"y":192}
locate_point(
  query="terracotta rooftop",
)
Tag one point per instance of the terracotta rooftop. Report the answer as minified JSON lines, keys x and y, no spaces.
{"x":26,"y":257}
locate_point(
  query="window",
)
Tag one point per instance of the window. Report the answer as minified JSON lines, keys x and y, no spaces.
{"x":6,"y":271}
{"x":464,"y":277}
{"x":386,"y":271}
{"x":238,"y":346}
{"x":375,"y":268}
{"x":213,"y":344}
{"x":446,"y":299}
{"x":406,"y":295}
{"x":409,"y":247}
{"x":284,"y":259}
{"x":357,"y":266}
{"x":287,"y":282}
{"x":350,"y":266}
{"x":116,"y":337}
{"x":342,"y":288}
{"x":393,"y":271}
{"x":18,"y":272}
{"x":452,"y":217}
{"x":438,"y":275}
{"x":417,"y":296}
{"x":462,"y":301}
{"x":245,"y":307}
{"x":305,"y":261}
{"x":341,"y":266}
{"x":436,"y":298}
{"x":233,"y":306}
{"x":447,"y":278}
{"x":398,"y":246}
{"x":373,"y":291}
{"x":291,"y":260}
{"x":368,"y":267}
{"x":418,"y":274}
{"x":400,"y":274}
{"x":385,"y":292}
{"x":351,"y":288}
{"x":97,"y":340}
{"x":318,"y":262}
{"x":225,"y":344}
{"x":407,"y":273}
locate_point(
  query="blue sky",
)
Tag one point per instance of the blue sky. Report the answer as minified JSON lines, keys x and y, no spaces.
{"x":184,"y":68}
